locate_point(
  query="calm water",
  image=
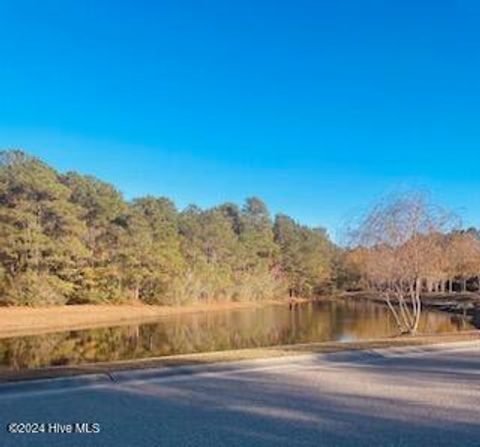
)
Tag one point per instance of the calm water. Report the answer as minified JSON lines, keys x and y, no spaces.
{"x":245,"y":328}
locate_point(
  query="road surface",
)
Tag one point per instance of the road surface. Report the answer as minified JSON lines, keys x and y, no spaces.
{"x":425,"y":396}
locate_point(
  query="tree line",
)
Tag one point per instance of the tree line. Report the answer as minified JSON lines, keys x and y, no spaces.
{"x":67,"y":238}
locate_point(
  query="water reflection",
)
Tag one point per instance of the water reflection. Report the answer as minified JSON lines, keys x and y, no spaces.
{"x":245,"y":328}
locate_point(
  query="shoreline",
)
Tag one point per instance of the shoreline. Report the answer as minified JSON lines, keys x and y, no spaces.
{"x":24,"y":321}
{"x":18,"y":321}
{"x":13,"y":323}
{"x":466,"y":303}
{"x":168,"y":363}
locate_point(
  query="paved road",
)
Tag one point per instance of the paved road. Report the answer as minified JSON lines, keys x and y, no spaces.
{"x":398,"y":397}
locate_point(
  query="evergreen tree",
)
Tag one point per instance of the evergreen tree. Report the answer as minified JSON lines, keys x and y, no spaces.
{"x":306,"y":256}
{"x":40,"y":231}
{"x":102,"y":206}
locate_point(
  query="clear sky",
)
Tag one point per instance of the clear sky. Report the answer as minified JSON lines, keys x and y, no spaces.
{"x":316,"y":106}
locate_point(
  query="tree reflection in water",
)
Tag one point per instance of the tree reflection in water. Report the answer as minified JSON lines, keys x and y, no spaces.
{"x":236,"y":329}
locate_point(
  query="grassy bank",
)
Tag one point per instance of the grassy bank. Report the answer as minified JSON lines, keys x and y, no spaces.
{"x":16,"y":321}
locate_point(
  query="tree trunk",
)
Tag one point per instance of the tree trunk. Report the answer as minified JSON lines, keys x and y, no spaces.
{"x":407,"y":317}
{"x":417,"y":307}
{"x":419,"y":312}
{"x":394,"y":312}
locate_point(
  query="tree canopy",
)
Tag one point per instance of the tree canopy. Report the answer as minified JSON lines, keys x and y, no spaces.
{"x":71,"y":238}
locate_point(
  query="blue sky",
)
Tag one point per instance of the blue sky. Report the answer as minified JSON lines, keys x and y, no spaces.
{"x":317,"y":107}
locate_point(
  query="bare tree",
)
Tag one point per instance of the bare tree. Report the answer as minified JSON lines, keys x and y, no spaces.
{"x":403,"y":238}
{"x":463,"y":257}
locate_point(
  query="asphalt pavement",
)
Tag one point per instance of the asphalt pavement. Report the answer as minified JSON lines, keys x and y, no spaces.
{"x":424,"y":396}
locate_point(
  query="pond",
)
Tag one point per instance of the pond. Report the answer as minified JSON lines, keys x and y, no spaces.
{"x":216,"y":331}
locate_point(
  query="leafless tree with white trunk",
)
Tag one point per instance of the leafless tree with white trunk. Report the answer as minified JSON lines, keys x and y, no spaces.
{"x":402,"y":241}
